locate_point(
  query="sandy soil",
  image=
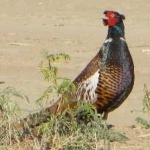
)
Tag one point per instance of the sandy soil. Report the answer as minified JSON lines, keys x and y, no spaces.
{"x":28,"y":27}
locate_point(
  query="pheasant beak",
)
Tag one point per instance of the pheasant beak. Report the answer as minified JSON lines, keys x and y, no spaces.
{"x":105,"y":20}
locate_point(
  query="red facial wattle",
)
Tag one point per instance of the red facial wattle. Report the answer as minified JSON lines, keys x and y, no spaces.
{"x":112,"y":21}
{"x":112,"y":18}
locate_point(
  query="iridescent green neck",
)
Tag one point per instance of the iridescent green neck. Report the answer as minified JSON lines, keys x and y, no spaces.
{"x":116,"y":31}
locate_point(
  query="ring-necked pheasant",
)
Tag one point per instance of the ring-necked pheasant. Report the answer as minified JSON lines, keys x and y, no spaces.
{"x":109,"y":77}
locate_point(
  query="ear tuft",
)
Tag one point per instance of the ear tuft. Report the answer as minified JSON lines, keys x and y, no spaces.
{"x":123,"y":17}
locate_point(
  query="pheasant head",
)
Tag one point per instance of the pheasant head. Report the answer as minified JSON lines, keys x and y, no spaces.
{"x":112,"y":18}
{"x":114,"y":21}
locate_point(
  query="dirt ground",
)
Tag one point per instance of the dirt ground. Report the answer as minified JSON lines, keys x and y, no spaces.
{"x":28,"y":27}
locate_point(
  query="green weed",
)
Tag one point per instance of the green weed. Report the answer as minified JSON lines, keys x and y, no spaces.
{"x":80,"y":128}
{"x":145,"y":109}
{"x":9,"y":113}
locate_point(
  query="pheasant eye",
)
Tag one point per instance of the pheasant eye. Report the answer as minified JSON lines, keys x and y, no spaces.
{"x":112,"y":15}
